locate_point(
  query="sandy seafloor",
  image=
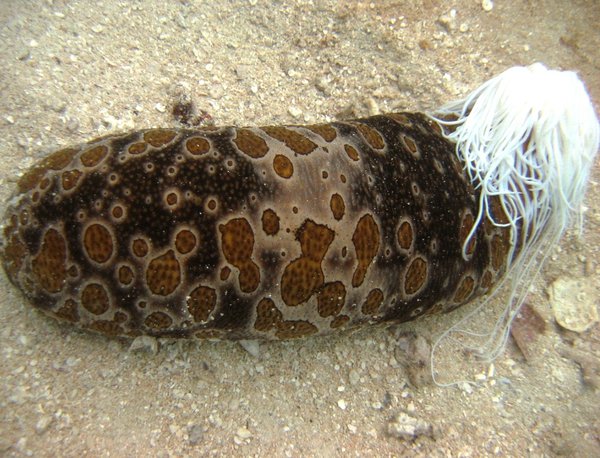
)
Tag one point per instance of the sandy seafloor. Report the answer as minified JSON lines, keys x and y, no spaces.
{"x":73,"y":70}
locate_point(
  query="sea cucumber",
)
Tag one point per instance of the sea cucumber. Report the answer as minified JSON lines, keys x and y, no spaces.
{"x":270,"y":232}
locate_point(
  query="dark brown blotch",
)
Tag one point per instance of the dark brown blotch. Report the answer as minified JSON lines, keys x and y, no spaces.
{"x":94,"y":299}
{"x":337,"y":206}
{"x":283,"y":166}
{"x":416,"y":276}
{"x":158,"y":321}
{"x":49,"y":266}
{"x":237,"y":244}
{"x":373,"y":302}
{"x":201,"y":302}
{"x":331,"y":298}
{"x":366,"y":240}
{"x":159,"y":137}
{"x":98,"y":243}
{"x":163,"y":274}
{"x":405,"y":235}
{"x":304,"y":275}
{"x":250,"y":144}
{"x":270,"y":222}
{"x":197,"y":146}
{"x":297,"y":142}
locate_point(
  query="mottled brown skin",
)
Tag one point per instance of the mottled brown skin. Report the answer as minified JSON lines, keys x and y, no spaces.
{"x":270,"y":233}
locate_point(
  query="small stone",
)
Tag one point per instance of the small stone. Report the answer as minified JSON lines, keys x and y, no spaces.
{"x":43,"y":424}
{"x":448,"y":20}
{"x":295,"y":111}
{"x":353,"y":377}
{"x":144,"y":343}
{"x":243,"y":433}
{"x":342,"y":404}
{"x":160,"y":107}
{"x":251,"y":346}
{"x":406,"y":427}
{"x":487,"y":5}
{"x":195,"y":434}
{"x":413,"y":352}
{"x":573,"y":302}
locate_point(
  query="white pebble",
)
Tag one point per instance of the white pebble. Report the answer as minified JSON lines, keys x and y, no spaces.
{"x":295,"y":111}
{"x":342,"y":404}
{"x":243,"y":433}
{"x":487,"y":5}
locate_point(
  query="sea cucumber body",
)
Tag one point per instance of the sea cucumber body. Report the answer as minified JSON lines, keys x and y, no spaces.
{"x":258,"y":232}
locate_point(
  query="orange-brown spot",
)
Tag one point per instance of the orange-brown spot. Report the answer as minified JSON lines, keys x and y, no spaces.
{"x":159,"y":137}
{"x":185,"y":241}
{"x":373,"y":302}
{"x":107,"y":327}
{"x":325,"y":131}
{"x":283,"y":166}
{"x":93,"y":156}
{"x":44,"y":183}
{"x":270,"y":222}
{"x":465,"y":229}
{"x":14,"y":253}
{"x":464,"y":289}
{"x":339,"y":321}
{"x":140,"y":248}
{"x":225,"y":272}
{"x":410,"y":145}
{"x":211,"y":204}
{"x":73,"y":271}
{"x":249,"y":143}
{"x":298,"y":143}
{"x":98,"y":243}
{"x":158,"y":320}
{"x":400,"y":118}
{"x":68,"y":311}
{"x":351,"y":152}
{"x":125,"y":275}
{"x":94,"y":299}
{"x":405,"y":235}
{"x":267,"y":315}
{"x":237,"y":243}
{"x":366,"y":240}
{"x":416,"y":275}
{"x":331,"y":298}
{"x":70,"y":179}
{"x":117,"y":212}
{"x":49,"y":265}
{"x":197,"y":146}
{"x":164,"y":274}
{"x":295,"y":329}
{"x":486,"y":280}
{"x":172,"y":199}
{"x":499,"y":247}
{"x":201,"y":302}
{"x":138,"y":148}
{"x":371,"y":136}
{"x":337,"y":206}
{"x":304,"y":275}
